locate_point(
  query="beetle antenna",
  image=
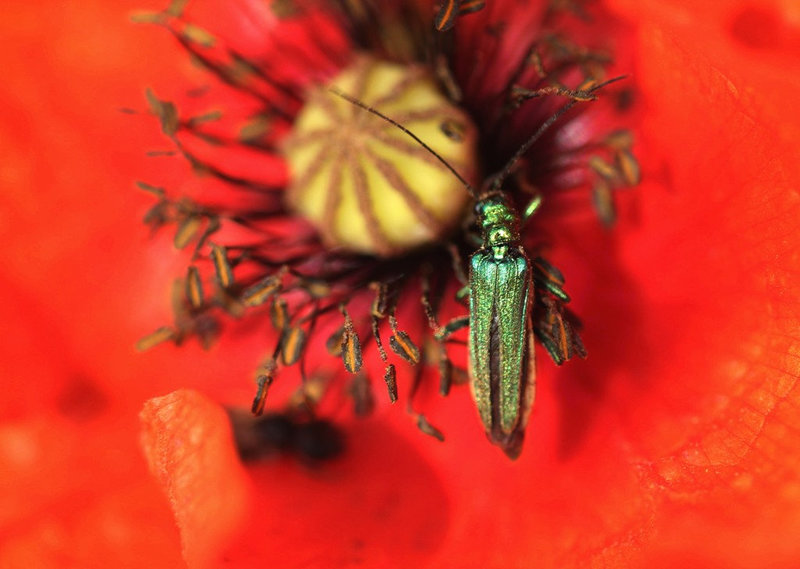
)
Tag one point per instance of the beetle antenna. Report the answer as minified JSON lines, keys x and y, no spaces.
{"x":500,"y":177}
{"x":377,"y":113}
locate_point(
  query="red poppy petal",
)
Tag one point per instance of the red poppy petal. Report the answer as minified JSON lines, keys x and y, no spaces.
{"x":73,"y":490}
{"x":188,"y":443}
{"x":711,"y":415}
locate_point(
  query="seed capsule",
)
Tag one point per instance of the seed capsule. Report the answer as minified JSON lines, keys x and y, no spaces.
{"x":363,"y":184}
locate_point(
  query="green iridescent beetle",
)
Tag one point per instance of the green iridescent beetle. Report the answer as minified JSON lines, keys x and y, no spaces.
{"x":502,"y":370}
{"x":501,"y":291}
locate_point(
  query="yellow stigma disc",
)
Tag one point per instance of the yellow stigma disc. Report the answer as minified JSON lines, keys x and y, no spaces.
{"x":364,"y":184}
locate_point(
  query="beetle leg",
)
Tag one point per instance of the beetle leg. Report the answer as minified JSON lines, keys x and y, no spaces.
{"x":445,"y":365}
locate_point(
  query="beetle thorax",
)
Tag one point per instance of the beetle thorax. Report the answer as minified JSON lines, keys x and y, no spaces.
{"x":499,"y":224}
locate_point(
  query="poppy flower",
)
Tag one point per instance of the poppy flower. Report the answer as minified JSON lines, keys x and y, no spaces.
{"x":672,"y":443}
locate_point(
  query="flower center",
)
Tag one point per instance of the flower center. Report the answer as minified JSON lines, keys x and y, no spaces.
{"x":366,"y":185}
